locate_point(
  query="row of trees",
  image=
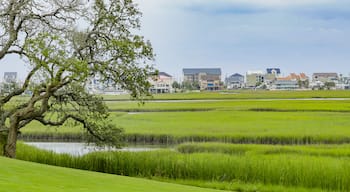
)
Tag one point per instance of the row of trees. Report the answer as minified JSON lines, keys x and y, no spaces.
{"x":64,"y":43}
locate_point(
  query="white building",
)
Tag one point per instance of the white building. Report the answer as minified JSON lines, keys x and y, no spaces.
{"x":96,"y":86}
{"x":9,"y":82}
{"x":161,"y":83}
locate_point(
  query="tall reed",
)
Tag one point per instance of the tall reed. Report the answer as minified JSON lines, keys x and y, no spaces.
{"x":326,"y":173}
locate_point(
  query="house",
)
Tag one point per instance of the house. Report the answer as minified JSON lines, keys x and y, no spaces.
{"x":273,"y":71}
{"x":271,"y":75}
{"x":10,"y":77}
{"x":285,"y":84}
{"x":204,"y":78}
{"x":291,"y":82}
{"x":10,"y":82}
{"x":96,"y":86}
{"x":325,"y":77}
{"x":254,"y":78}
{"x":162,"y":83}
{"x":235,"y":81}
{"x":324,"y":80}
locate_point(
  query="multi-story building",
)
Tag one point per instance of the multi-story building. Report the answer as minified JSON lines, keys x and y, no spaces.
{"x":162,"y":83}
{"x":325,"y":77}
{"x":273,"y":71}
{"x":235,"y":81}
{"x":271,"y":75}
{"x":254,"y":78}
{"x":9,"y":83}
{"x":10,"y":77}
{"x":259,"y":79}
{"x":291,"y":82}
{"x":324,"y":81}
{"x":205,"y":78}
{"x":96,"y":86}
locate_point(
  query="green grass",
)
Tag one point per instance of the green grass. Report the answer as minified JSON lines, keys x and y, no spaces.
{"x":18,"y":176}
{"x":243,"y":126}
{"x":233,"y":105}
{"x":250,"y":149}
{"x":238,"y":186}
{"x":277,"y":169}
{"x":242,"y":94}
{"x":236,"y":121}
{"x":301,"y":122}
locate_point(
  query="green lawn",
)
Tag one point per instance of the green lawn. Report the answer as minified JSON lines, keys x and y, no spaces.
{"x":19,"y":176}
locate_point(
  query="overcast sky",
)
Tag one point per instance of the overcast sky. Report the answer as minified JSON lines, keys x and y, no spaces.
{"x":240,"y":35}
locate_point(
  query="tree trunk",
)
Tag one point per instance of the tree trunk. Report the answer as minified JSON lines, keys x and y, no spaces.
{"x":10,"y":147}
{"x":3,"y":139}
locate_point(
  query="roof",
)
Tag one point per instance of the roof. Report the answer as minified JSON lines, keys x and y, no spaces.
{"x":255,"y":72}
{"x":164,"y":74}
{"x":10,"y":74}
{"x":209,"y":71}
{"x":293,"y":76}
{"x":236,"y":75}
{"x":325,"y":74}
{"x":270,"y":70}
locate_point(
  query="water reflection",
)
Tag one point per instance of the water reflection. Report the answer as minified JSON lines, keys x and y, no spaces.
{"x":78,"y":149}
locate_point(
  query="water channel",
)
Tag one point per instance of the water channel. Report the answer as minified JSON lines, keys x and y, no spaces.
{"x":78,"y":149}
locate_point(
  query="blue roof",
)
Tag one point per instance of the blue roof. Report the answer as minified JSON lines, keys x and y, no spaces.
{"x":269,"y":70}
{"x":209,"y":71}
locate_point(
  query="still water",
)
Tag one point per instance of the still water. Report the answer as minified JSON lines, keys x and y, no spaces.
{"x":78,"y":149}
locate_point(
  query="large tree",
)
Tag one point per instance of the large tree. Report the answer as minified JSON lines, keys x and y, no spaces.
{"x":66,"y":43}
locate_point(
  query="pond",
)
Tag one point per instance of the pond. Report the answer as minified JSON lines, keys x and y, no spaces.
{"x":78,"y":149}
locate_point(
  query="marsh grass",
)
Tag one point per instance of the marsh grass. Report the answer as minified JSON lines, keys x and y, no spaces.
{"x":230,"y":121}
{"x":233,"y":105}
{"x":327,"y":173}
{"x":242,"y":94}
{"x":252,"y":149}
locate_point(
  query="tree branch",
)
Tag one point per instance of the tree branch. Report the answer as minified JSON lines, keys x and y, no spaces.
{"x":65,"y":118}
{"x":24,"y":87}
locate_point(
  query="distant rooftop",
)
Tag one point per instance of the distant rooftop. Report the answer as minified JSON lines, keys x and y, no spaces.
{"x":10,"y":74}
{"x":273,"y":71}
{"x":255,"y":72}
{"x":293,"y":76}
{"x":164,"y":74}
{"x":325,"y":74}
{"x":236,"y":75}
{"x":209,"y":71}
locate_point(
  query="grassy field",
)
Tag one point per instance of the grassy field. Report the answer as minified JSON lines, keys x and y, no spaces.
{"x":19,"y":176}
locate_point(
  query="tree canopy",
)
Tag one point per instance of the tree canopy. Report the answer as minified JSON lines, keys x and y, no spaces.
{"x":66,"y":43}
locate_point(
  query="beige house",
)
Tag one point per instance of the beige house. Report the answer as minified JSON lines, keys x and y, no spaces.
{"x":161,"y":83}
{"x":206,"y":78}
{"x":254,"y":78}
